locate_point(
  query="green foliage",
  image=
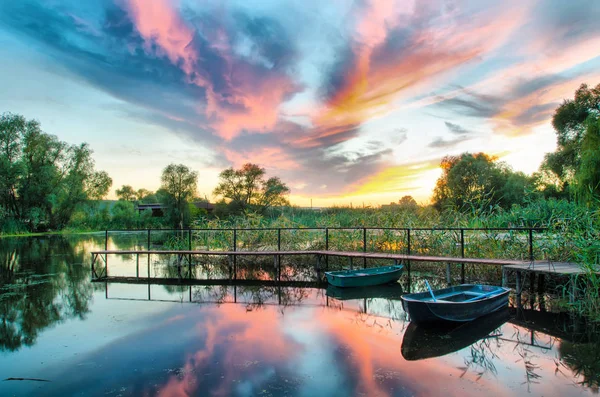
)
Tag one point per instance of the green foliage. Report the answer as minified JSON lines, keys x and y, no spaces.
{"x":588,"y":175}
{"x":145,"y":196}
{"x":126,"y":193}
{"x":572,"y":121}
{"x":247,"y":190}
{"x":178,"y":187}
{"x":43,"y":180}
{"x":475,"y":183}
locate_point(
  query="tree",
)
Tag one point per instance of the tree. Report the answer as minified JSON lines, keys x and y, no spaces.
{"x":247,"y":190}
{"x":126,"y":193}
{"x":474,"y":181}
{"x":142,"y":194}
{"x":408,"y":202}
{"x":43,"y":180}
{"x":80,"y":184}
{"x":570,"y":122}
{"x":588,"y":174}
{"x":178,"y":186}
{"x":97,"y":185}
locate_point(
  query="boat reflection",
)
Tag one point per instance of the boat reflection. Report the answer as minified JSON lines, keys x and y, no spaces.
{"x":388,"y":291}
{"x":422,"y":341}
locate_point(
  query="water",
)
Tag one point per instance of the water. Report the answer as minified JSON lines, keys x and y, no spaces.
{"x":82,"y":338}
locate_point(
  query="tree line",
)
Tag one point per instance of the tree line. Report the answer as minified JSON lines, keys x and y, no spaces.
{"x":47,"y":184}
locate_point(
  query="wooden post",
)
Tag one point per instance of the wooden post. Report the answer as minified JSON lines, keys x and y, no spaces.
{"x":462,"y":255}
{"x":573,"y":297}
{"x":364,"y":247}
{"x":279,"y":249}
{"x":106,"y":240}
{"x":541,"y":286}
{"x":235,"y":256}
{"x":190,"y":255}
{"x":519,"y":284}
{"x":448,"y":278}
{"x":148,"y":239}
{"x":137,"y":265}
{"x":541,"y":291}
{"x":531,"y":258}
{"x":504,"y":276}
{"x":408,"y":252}
{"x":326,"y":248}
{"x":531,"y":283}
{"x":350,"y":262}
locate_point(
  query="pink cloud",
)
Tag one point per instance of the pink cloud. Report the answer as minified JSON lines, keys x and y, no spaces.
{"x":159,"y":23}
{"x":251,"y":97}
{"x":271,"y":157}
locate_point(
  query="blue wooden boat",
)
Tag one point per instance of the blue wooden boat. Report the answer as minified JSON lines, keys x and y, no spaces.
{"x":364,"y":277}
{"x":458,"y":304}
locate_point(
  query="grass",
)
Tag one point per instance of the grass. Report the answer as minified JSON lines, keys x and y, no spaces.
{"x":572,"y":234}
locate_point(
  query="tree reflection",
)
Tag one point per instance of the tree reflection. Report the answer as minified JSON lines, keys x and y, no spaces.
{"x":42,"y":281}
{"x":583,"y":358}
{"x":482,"y":355}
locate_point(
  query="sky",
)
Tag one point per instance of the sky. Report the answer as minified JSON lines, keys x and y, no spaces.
{"x":347,"y":101}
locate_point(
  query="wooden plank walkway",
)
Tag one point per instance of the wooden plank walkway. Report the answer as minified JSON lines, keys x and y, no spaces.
{"x":517,"y":266}
{"x":213,"y":282}
{"x":548,"y":267}
{"x":347,"y":254}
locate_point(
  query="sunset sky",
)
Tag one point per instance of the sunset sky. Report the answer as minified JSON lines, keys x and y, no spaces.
{"x":347,"y":101}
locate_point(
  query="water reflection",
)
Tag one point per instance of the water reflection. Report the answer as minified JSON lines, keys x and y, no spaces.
{"x":423,"y":341}
{"x":259,"y":338}
{"x":42,"y":282}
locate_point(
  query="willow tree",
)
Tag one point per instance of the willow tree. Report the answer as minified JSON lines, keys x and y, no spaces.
{"x":42,"y":179}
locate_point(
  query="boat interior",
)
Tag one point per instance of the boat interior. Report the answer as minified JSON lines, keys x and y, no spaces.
{"x":462,"y":296}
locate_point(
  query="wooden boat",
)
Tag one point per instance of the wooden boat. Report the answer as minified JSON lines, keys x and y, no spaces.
{"x":461,"y":303}
{"x":421,"y":341}
{"x":388,"y":291}
{"x":364,"y":277}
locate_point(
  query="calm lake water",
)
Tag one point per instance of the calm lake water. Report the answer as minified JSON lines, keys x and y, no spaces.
{"x":65,"y":335}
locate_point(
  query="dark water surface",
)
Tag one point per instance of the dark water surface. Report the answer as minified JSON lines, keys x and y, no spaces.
{"x":81,"y":338}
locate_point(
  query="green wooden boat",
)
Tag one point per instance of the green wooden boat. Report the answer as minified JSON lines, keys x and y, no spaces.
{"x":364,"y":277}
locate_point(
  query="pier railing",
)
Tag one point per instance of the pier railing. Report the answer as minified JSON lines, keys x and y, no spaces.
{"x":505,"y":243}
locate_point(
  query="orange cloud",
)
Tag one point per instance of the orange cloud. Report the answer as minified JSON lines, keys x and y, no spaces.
{"x":397,"y":178}
{"x":371,"y":86}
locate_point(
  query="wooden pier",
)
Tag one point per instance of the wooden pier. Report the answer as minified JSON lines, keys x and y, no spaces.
{"x":519,"y":267}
